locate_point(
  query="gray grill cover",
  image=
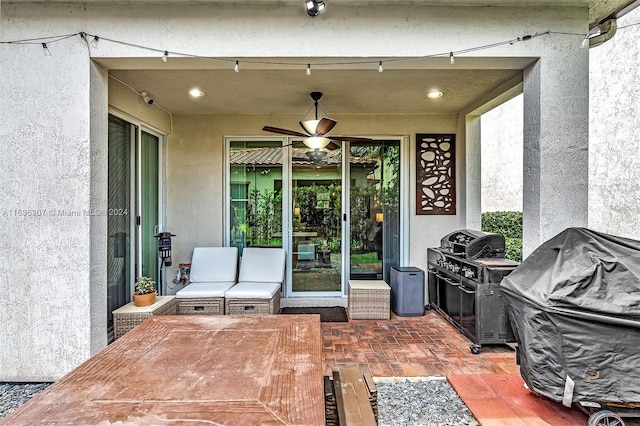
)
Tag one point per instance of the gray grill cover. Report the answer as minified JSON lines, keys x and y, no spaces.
{"x":574,"y":305}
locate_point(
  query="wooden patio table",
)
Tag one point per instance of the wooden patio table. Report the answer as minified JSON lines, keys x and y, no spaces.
{"x":200,"y":369}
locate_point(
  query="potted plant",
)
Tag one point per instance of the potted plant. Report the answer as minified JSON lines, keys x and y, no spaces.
{"x":145,"y":293}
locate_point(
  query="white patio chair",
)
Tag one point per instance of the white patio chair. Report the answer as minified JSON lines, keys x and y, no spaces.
{"x":259,"y":282}
{"x":213,"y":272}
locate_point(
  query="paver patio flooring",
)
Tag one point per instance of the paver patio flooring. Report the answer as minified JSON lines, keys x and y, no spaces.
{"x":409,"y":347}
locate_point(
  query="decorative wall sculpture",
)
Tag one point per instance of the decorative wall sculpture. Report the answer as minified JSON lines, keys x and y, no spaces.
{"x":435,"y":174}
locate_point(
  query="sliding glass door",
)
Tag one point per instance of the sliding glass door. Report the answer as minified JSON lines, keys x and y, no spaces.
{"x":148,"y":207}
{"x":336,"y":212}
{"x":255,"y":194}
{"x":119,"y":226}
{"x":374,"y":217}
{"x":134,"y":210}
{"x":316,"y":212}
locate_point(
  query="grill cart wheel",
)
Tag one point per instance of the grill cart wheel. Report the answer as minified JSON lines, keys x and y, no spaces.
{"x":474,"y":349}
{"x":605,"y":418}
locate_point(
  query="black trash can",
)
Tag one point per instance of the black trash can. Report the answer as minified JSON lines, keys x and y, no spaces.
{"x":407,"y":291}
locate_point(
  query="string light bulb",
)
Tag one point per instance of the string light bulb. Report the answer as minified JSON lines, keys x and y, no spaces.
{"x":308,"y":69}
{"x":94,"y":41}
{"x":165,"y":56}
{"x":46,"y":50}
{"x":236,"y":67}
{"x":380,"y":69}
{"x":452,"y":59}
{"x":83,"y":37}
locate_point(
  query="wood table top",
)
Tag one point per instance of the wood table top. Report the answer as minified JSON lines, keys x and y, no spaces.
{"x":175,"y":369}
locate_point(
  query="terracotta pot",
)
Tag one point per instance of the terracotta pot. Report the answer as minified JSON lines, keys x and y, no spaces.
{"x":144,"y":299}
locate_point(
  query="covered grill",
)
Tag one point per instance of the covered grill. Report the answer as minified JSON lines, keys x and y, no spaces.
{"x":464,"y":285}
{"x":574,"y":305}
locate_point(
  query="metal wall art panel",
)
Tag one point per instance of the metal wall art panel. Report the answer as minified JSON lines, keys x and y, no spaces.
{"x":435,"y":174}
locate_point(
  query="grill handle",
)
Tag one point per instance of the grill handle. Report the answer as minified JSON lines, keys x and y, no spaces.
{"x":467,"y":290}
{"x":450,"y":281}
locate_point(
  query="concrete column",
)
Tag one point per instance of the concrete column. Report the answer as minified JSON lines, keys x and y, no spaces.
{"x":555,"y":188}
{"x":473,"y":172}
{"x":51,"y":279}
{"x":99,"y":154}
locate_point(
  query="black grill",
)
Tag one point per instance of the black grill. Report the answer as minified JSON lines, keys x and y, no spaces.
{"x":464,"y":277}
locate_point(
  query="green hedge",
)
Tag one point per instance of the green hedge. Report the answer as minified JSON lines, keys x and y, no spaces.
{"x":508,"y":224}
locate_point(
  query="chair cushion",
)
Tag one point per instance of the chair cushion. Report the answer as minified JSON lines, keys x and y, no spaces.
{"x":262,"y":265}
{"x":212,"y":264}
{"x":252,"y":290}
{"x":204,"y":290}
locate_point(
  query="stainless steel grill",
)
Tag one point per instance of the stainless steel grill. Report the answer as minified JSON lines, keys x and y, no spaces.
{"x":464,"y":276}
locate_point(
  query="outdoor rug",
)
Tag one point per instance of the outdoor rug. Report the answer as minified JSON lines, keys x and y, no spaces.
{"x":330,"y":314}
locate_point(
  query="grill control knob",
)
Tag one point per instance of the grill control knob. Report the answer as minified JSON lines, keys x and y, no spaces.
{"x":455,"y":268}
{"x":468,"y":273}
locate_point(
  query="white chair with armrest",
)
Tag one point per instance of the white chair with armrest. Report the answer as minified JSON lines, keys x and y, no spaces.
{"x":259,"y":283}
{"x":213,"y":272}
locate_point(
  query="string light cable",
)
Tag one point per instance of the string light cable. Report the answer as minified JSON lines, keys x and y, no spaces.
{"x":235,"y":63}
{"x":139,"y":93}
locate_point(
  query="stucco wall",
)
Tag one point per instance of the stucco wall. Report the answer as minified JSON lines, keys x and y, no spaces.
{"x":195,"y":173}
{"x":55,"y":151}
{"x":614,"y":144}
{"x":502,"y":157}
{"x":123,"y":99}
{"x":45,"y":196}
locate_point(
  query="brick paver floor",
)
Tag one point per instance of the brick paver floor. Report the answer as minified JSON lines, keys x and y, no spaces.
{"x":409,"y":347}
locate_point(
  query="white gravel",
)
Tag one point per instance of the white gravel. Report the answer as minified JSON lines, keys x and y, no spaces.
{"x":422,"y":401}
{"x":13,"y":395}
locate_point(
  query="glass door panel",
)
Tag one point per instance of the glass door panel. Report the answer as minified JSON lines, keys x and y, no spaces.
{"x":118,"y":223}
{"x":149,"y":217}
{"x":316,"y":209}
{"x":255,"y":188}
{"x":374,"y":199}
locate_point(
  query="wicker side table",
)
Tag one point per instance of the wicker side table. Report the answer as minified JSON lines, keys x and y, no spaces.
{"x":369,"y":299}
{"x":129,"y":315}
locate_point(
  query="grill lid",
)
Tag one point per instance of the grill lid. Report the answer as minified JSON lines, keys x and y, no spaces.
{"x":472,"y":244}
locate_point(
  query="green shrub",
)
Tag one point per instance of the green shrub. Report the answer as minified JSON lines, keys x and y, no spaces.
{"x":508,"y":224}
{"x":513,"y":249}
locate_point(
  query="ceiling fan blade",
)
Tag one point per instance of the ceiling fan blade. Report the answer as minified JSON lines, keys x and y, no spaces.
{"x":351,"y":139}
{"x":325,"y":125}
{"x":331,"y":146}
{"x":283,"y":131}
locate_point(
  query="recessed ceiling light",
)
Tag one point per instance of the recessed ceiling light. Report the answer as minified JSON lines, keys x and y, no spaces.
{"x":434,"y":94}
{"x":196,"y":93}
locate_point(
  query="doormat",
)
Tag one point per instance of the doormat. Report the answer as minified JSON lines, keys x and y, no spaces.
{"x":327,"y":314}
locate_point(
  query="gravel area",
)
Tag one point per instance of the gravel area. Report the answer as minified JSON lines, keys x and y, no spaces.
{"x":13,"y":395}
{"x":420,"y":402}
{"x":401,"y":401}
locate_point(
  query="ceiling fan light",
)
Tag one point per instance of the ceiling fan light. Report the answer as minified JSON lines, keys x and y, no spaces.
{"x":316,"y":142}
{"x":316,"y":155}
{"x":310,"y":126}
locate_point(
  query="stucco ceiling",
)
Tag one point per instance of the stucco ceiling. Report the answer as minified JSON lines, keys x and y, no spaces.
{"x":363,"y":90}
{"x":353,"y":92}
{"x":400,"y":89}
